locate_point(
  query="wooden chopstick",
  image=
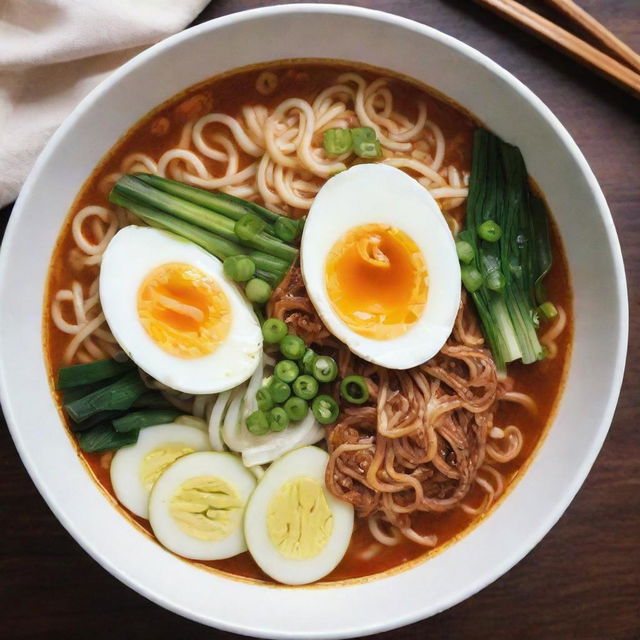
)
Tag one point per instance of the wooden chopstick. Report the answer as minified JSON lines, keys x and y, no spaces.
{"x":566,"y":41}
{"x":598,"y":31}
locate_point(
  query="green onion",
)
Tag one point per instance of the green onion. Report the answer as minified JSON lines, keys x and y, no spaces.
{"x":365,"y":142}
{"x":280,"y":391}
{"x":307,"y":361}
{"x":141,"y":419}
{"x":120,"y":394}
{"x":305,"y":387}
{"x":273,"y":330}
{"x":74,"y":393}
{"x":249,"y":226}
{"x":471,"y":278}
{"x":264,"y":399}
{"x":239,"y":268}
{"x":278,"y":419}
{"x":223,"y":203}
{"x":292,"y":347}
{"x":257,"y":291}
{"x":464,"y":251}
{"x":324,"y":369}
{"x":296,"y":408}
{"x":105,"y":438}
{"x":151,"y":400}
{"x":286,"y":370}
{"x":548,"y":310}
{"x":354,"y":389}
{"x":139,"y":192}
{"x":490,"y":231}
{"x":82,"y":374}
{"x":337,"y":141}
{"x":258,"y":423}
{"x":96,"y":419}
{"x":507,"y":227}
{"x":325,"y":409}
{"x":286,"y":229}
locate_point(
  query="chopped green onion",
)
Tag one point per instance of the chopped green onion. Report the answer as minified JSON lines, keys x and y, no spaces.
{"x":307,"y":361}
{"x":264,"y":399}
{"x":278,"y":419}
{"x":120,"y":394}
{"x":74,"y":393}
{"x":286,"y":370}
{"x":82,"y":374}
{"x":239,"y":268}
{"x":292,"y":347}
{"x":280,"y":391}
{"x":365,"y":142}
{"x":490,"y":231}
{"x":324,"y":369}
{"x":354,"y":389}
{"x":464,"y":251}
{"x":305,"y":387}
{"x":249,"y":226}
{"x":548,"y":310}
{"x":296,"y":408}
{"x":286,"y":229}
{"x":471,"y":278}
{"x":258,"y":291}
{"x":258,"y":423}
{"x":337,"y":141}
{"x":496,"y":281}
{"x":273,"y":330}
{"x":141,"y":419}
{"x":105,"y":438}
{"x":325,"y":409}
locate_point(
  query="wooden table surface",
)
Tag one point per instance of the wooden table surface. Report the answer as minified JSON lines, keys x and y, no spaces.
{"x":582,"y":581}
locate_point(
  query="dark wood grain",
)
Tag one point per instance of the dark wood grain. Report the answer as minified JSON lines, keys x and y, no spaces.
{"x":582,"y":581}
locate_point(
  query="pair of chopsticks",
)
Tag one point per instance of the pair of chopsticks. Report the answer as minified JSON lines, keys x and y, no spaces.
{"x":626,"y":75}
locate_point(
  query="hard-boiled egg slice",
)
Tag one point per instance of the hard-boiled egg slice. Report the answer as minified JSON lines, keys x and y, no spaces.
{"x":173,"y":311}
{"x":197,"y":506}
{"x":135,"y":469}
{"x":295,"y":529}
{"x":380,"y":265}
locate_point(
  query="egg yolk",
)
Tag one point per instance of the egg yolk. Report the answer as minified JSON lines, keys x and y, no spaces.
{"x":376,"y":280}
{"x":299,"y":520}
{"x":183,"y":310}
{"x":206,"y":508}
{"x":156,"y":462}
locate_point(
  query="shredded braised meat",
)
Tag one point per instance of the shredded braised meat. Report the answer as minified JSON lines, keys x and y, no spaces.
{"x":418,"y":444}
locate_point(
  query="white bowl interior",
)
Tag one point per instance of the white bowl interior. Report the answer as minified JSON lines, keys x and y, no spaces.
{"x":559,"y":468}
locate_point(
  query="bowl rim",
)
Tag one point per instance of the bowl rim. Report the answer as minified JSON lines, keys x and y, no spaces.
{"x":560,"y":505}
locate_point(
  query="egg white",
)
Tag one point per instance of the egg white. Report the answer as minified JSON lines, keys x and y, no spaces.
{"x":378,"y":193}
{"x":126,"y":463}
{"x":309,"y":462}
{"x":130,"y":256}
{"x":225,"y":466}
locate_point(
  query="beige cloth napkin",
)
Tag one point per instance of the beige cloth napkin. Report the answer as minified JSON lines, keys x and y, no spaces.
{"x":53,"y":52}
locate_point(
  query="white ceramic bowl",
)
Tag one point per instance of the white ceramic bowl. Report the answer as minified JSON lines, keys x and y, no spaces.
{"x":529,"y":511}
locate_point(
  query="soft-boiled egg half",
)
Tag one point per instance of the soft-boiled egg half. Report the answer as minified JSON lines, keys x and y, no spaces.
{"x":172,"y":310}
{"x":136,"y":468}
{"x":196,"y":508}
{"x":296,"y":531}
{"x":380,"y":265}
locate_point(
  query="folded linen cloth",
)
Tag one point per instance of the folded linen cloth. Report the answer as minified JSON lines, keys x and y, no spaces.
{"x":53,"y":52}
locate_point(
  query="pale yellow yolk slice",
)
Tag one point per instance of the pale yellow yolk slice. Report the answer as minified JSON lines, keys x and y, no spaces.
{"x":184,"y":310}
{"x":206,"y":508}
{"x":299,"y":520}
{"x":156,"y":462}
{"x":376,"y":280}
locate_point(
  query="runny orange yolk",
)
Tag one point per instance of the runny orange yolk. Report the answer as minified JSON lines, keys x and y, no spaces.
{"x":376,"y":279}
{"x":183,"y":310}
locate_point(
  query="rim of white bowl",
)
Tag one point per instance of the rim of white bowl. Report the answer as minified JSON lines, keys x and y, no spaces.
{"x":569,"y":491}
